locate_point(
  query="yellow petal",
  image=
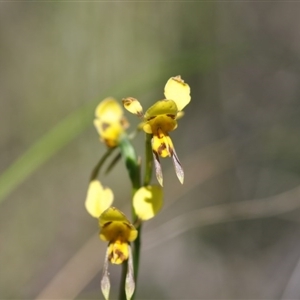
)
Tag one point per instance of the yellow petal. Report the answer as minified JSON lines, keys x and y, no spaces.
{"x":166,"y":123}
{"x":162,"y":144}
{"x":146,"y":127}
{"x":162,"y":107}
{"x":118,"y":252}
{"x":147,"y":201}
{"x":179,"y":91}
{"x":112,"y":214}
{"x":109,"y":110}
{"x":98,"y":199}
{"x":133,"y":106}
{"x":115,"y":226}
{"x":110,"y":122}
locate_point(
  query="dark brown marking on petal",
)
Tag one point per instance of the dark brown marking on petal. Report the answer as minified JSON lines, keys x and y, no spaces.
{"x":178,"y":79}
{"x":104,"y":126}
{"x":161,"y":148}
{"x":124,"y":123}
{"x":155,"y":154}
{"x":106,"y":224}
{"x":120,"y":254}
{"x":110,"y":256}
{"x":151,"y":118}
{"x":127,"y":225}
{"x":171,"y":116}
{"x":140,"y":114}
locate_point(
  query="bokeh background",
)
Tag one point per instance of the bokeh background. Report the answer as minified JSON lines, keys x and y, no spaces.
{"x":232,"y":230}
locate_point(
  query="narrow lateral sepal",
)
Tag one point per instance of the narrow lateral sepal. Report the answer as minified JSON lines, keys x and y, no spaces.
{"x":105,"y":282}
{"x":177,"y":166}
{"x":129,"y":283}
{"x":157,"y":166}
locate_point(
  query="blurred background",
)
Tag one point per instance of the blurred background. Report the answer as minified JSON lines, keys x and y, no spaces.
{"x":232,"y":230}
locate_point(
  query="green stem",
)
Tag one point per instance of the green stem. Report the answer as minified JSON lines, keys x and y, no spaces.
{"x":97,"y":168}
{"x":122,"y":294}
{"x":147,"y":179}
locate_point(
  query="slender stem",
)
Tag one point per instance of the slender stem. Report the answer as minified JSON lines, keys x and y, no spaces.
{"x":122,"y":294}
{"x":147,"y":179}
{"x":113,"y":163}
{"x":97,"y":168}
{"x":136,"y":255}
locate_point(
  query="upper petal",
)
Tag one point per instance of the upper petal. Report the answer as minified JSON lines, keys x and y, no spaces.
{"x":178,"y":91}
{"x":162,"y":107}
{"x":109,"y":110}
{"x":133,"y":106}
{"x":98,"y":199}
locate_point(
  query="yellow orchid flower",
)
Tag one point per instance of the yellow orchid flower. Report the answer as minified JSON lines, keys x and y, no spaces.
{"x":119,"y":232}
{"x":110,"y":121}
{"x":160,"y":119}
{"x":98,"y":199}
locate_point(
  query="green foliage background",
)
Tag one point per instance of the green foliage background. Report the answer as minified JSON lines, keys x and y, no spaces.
{"x":232,"y":230}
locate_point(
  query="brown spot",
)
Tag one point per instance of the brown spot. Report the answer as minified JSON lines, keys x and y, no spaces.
{"x":155,"y":154}
{"x":171,"y":116}
{"x":151,"y":118}
{"x":161,"y":148}
{"x":120,"y":254}
{"x":115,"y":255}
{"x":178,"y":79}
{"x":106,"y":224}
{"x":127,"y":101}
{"x":104,"y":126}
{"x":110,"y":256}
{"x":124,"y":123}
{"x":127,"y":225}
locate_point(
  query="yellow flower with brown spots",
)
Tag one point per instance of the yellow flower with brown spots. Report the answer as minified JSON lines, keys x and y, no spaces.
{"x":160,"y":119}
{"x":110,"y":121}
{"x":119,"y":232}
